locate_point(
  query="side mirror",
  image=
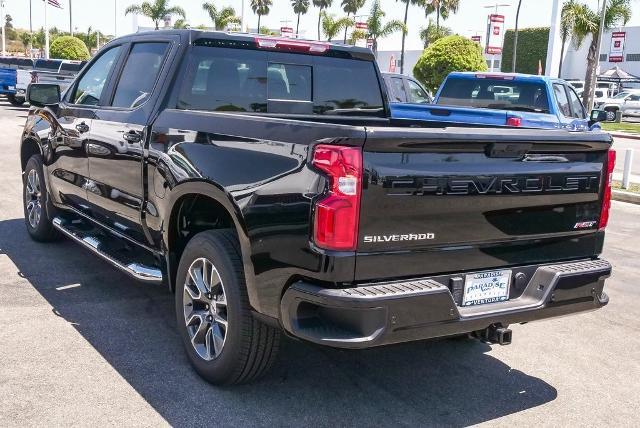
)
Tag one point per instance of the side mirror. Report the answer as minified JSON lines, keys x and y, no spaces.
{"x":43,"y":94}
{"x":601,"y":116}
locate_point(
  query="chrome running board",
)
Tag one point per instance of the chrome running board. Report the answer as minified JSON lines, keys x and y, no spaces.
{"x":95,"y":243}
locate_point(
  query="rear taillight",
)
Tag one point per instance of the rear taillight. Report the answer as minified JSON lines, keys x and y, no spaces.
{"x":606,"y":195}
{"x":514,"y":121}
{"x":336,"y":217}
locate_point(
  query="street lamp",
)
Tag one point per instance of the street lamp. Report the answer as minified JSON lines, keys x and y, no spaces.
{"x":4,"y":41}
{"x":592,"y":89}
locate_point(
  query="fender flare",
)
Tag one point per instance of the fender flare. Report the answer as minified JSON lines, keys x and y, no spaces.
{"x":218,"y":194}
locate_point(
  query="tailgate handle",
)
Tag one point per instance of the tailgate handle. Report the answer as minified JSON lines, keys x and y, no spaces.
{"x":508,"y":150}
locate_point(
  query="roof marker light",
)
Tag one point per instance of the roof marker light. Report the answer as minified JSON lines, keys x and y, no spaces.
{"x":291,"y":45}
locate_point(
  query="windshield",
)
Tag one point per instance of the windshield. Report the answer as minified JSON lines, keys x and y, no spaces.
{"x":496,"y":94}
{"x":621,"y":95}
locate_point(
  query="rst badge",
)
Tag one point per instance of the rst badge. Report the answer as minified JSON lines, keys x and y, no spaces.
{"x":398,"y":238}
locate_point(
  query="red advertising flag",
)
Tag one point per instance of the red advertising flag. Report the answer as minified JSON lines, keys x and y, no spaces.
{"x":495,"y":34}
{"x":616,"y":52}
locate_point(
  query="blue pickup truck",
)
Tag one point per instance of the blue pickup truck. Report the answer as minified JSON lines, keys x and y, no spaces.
{"x":8,"y":80}
{"x":500,"y":99}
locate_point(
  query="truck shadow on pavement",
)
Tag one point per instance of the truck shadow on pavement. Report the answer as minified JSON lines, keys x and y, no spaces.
{"x":132,"y":325}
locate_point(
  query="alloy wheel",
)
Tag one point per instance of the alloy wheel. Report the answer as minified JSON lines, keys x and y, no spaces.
{"x":205,"y":309}
{"x":33,"y":198}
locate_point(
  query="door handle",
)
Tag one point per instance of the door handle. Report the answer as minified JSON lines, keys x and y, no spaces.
{"x":132,"y":137}
{"x":82,"y":127}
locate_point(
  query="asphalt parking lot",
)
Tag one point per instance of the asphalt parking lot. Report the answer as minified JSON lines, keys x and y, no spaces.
{"x":82,"y":344}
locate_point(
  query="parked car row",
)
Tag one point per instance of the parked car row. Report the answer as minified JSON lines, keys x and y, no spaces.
{"x":17,"y":73}
{"x":626,"y":102}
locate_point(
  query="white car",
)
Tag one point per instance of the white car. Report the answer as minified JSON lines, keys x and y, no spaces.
{"x":627,"y":102}
{"x":578,"y":85}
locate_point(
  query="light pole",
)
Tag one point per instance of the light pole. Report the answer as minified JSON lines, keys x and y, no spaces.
{"x":515,"y":39}
{"x":554,"y":46}
{"x":594,"y":77}
{"x":4,"y":41}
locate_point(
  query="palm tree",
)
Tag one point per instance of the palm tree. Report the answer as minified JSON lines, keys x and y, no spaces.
{"x":332,"y":26}
{"x":300,"y":7}
{"x":321,"y":4}
{"x":221,"y":19}
{"x":156,"y":10}
{"x":570,"y":10}
{"x":430,"y":34}
{"x":260,"y":7}
{"x":378,"y":29}
{"x":351,"y":7}
{"x":404,"y":34}
{"x":181,"y":23}
{"x":441,"y":8}
{"x":581,"y":22}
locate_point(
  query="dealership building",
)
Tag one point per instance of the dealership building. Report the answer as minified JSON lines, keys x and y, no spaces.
{"x":626,"y":56}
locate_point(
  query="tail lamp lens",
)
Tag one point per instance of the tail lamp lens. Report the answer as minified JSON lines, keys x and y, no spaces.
{"x":514,"y":121}
{"x":606,"y":197}
{"x":337,"y":214}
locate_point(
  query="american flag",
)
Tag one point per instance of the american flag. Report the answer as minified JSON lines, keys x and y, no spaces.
{"x":54,"y":3}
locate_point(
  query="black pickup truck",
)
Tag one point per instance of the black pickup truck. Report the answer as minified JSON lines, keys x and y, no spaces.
{"x":263,"y":182}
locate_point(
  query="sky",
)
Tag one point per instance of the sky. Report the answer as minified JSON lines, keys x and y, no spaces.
{"x":470,"y":19}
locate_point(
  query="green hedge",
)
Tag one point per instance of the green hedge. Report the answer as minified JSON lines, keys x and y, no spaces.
{"x":532,"y":47}
{"x":68,"y":47}
{"x":451,"y":53}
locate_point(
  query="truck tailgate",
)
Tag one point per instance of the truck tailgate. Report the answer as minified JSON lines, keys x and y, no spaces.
{"x":457,"y":199}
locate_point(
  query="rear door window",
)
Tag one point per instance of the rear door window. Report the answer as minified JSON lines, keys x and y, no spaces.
{"x":48,"y":65}
{"x":223,"y":79}
{"x":71,"y":68}
{"x":397,"y":90}
{"x":417,"y":94}
{"x":562,"y":100}
{"x":576,"y":105}
{"x":140,"y":74}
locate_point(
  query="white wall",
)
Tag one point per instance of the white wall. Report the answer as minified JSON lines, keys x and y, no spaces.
{"x":575,"y":64}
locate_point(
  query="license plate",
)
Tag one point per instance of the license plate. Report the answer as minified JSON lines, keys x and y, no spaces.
{"x":12,"y":88}
{"x":486,"y":287}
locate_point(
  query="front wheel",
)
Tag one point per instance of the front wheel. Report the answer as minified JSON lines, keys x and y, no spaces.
{"x":224,"y":342}
{"x":36,"y":208}
{"x":611,"y":113}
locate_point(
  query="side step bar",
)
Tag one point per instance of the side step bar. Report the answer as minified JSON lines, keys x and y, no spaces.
{"x":137,"y":270}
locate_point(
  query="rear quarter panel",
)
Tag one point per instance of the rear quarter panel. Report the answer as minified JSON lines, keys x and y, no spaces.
{"x":257,"y":168}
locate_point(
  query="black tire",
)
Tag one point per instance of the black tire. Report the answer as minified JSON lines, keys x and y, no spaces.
{"x":15,"y":101}
{"x":41,"y":230}
{"x":611,"y":113}
{"x":250,"y":346}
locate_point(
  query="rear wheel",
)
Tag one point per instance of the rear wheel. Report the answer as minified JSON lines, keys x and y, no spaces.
{"x":18,"y":102}
{"x":224,"y":342}
{"x":35,"y":200}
